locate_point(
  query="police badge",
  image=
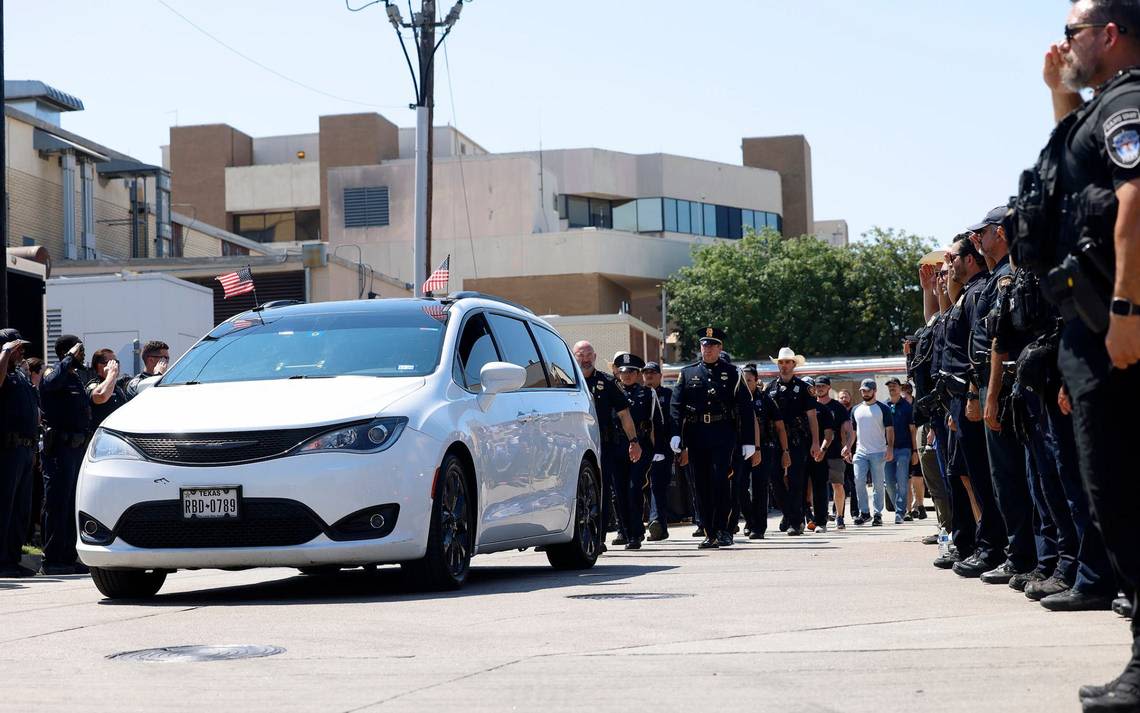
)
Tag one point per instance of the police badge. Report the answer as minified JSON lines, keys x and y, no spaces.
{"x":1122,"y":138}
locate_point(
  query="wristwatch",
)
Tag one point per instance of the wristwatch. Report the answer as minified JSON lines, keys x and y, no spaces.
{"x":1123,"y":307}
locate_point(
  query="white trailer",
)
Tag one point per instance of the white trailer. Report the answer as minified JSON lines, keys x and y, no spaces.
{"x":122,"y":312}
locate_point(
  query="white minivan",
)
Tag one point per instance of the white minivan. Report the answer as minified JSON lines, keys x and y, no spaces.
{"x":340,"y":434}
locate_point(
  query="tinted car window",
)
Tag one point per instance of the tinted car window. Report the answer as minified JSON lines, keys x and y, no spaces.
{"x":559,"y":363}
{"x":402,"y":341}
{"x":476,"y":348}
{"x":518,"y":348}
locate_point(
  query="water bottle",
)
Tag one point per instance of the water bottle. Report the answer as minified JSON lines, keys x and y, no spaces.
{"x":943,"y":542}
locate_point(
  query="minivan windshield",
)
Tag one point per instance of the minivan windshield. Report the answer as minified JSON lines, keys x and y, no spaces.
{"x":399,"y":341}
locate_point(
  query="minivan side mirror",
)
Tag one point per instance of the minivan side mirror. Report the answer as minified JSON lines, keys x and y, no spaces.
{"x":498,"y":377}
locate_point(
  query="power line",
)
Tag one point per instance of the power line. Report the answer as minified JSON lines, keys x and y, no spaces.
{"x":462,"y":175}
{"x":271,"y":70}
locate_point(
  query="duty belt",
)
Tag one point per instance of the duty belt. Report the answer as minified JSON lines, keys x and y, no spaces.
{"x":13,"y":440}
{"x":711,"y":417}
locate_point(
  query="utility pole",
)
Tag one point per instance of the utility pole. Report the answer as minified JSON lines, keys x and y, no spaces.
{"x":423,"y":26}
{"x":3,"y":194}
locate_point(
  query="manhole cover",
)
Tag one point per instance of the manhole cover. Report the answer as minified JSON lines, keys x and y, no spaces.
{"x":190,"y":654}
{"x":630,"y":595}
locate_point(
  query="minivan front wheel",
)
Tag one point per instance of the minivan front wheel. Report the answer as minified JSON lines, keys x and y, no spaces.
{"x":582,"y":551}
{"x":450,"y":537}
{"x":127,"y":583}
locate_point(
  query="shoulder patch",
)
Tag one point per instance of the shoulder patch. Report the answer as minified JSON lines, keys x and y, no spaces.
{"x":1122,"y":137}
{"x":1004,"y":281}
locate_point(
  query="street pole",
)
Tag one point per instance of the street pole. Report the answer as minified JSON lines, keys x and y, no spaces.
{"x":423,"y":26}
{"x":421,"y":254}
{"x":3,"y":194}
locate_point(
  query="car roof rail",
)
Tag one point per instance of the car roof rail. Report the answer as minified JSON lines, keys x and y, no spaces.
{"x":272,"y":304}
{"x":471,"y":294}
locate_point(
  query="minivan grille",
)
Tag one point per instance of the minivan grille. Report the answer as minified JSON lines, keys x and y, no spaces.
{"x":219,"y":448}
{"x":264,"y":522}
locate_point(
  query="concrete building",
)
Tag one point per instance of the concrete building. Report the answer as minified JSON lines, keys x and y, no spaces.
{"x":832,"y":232}
{"x":572,"y":232}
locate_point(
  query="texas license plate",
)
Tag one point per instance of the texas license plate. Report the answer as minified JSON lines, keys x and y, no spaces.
{"x":211,"y":503}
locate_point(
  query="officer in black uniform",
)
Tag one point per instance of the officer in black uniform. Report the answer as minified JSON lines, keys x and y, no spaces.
{"x":67,"y":416}
{"x":1028,"y":537}
{"x":632,"y":479}
{"x":105,"y":389}
{"x":19,"y":422}
{"x":796,"y":403}
{"x":816,"y":477}
{"x":773,"y":448}
{"x":968,"y":438}
{"x":708,"y":403}
{"x":660,"y":471}
{"x":609,"y":404}
{"x":1085,"y":239}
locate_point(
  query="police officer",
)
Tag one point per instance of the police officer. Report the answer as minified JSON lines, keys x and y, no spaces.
{"x":708,"y":403}
{"x":632,"y":478}
{"x":1093,"y":209}
{"x":106,"y":392}
{"x":1028,"y":537}
{"x":796,"y":403}
{"x":968,"y":438}
{"x":19,"y":421}
{"x":816,"y":477}
{"x":156,"y":359}
{"x":772,"y":449}
{"x":660,"y":471}
{"x":609,"y":403}
{"x":67,"y":416}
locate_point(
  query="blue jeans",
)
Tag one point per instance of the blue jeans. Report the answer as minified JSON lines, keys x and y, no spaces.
{"x":898,"y":480}
{"x":876,"y":463}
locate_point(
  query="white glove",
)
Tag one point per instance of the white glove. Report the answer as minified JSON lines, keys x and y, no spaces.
{"x":675,"y":444}
{"x":658,"y":457}
{"x":747,"y":451}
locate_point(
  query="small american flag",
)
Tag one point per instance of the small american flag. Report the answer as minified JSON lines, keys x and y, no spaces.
{"x":437,"y":312}
{"x":438,"y":280}
{"x":236,"y":283}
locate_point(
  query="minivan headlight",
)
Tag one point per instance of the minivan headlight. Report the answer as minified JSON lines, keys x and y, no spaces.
{"x":106,"y":445}
{"x":370,"y":437}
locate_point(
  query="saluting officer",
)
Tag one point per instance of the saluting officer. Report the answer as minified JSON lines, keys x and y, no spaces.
{"x":633,"y":476}
{"x":609,"y":403}
{"x":709,"y":401}
{"x":19,"y":420}
{"x":67,"y":415}
{"x":660,"y":471}
{"x":968,"y":440}
{"x":1095,"y":156}
{"x":796,"y":404}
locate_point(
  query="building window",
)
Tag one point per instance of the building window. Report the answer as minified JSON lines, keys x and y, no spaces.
{"x":578,"y":211}
{"x":282,"y":227}
{"x":365,"y":207}
{"x":710,"y":220}
{"x":601,"y":214}
{"x":698,"y":222}
{"x":649,"y":215}
{"x":670,"y":215}
{"x":683,"y":217}
{"x":625,"y":216}
{"x":229,"y":248}
{"x":735,"y":228}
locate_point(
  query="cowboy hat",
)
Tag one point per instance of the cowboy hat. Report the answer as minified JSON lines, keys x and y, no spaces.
{"x":934,"y":257}
{"x":787,"y":353}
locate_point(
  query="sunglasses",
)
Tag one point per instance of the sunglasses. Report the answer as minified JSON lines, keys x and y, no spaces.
{"x":1072,"y":31}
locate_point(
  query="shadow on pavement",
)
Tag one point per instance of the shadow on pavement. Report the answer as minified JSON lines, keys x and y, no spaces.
{"x":389,"y":584}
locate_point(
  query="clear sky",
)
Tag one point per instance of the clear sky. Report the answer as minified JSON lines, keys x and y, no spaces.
{"x":920,"y":114}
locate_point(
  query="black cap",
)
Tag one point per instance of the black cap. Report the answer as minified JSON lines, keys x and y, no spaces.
{"x":893,"y":380}
{"x":10,"y":334}
{"x":652,"y":366}
{"x":994,"y":217}
{"x":823,"y":381}
{"x":629,"y":362}
{"x":711,"y":335}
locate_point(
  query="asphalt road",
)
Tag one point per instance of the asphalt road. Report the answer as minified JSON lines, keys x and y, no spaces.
{"x":853,"y":621}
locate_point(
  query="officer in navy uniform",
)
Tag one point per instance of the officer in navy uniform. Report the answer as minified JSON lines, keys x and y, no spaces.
{"x":985,"y":550}
{"x":67,"y":416}
{"x":797,"y":404}
{"x":1028,"y":537}
{"x":660,"y":471}
{"x":773,"y":449}
{"x":632,"y":480}
{"x":19,"y":421}
{"x":709,"y":401}
{"x":610,"y":403}
{"x":1089,"y":252}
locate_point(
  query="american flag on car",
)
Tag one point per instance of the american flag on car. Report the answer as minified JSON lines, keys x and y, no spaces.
{"x":236,"y":283}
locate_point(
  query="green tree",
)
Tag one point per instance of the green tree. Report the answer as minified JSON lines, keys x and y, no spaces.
{"x":768,"y":291}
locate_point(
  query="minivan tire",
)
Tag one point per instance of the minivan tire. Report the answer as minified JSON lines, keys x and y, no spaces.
{"x":128,"y":583}
{"x":582,"y":551}
{"x":451,"y":538}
